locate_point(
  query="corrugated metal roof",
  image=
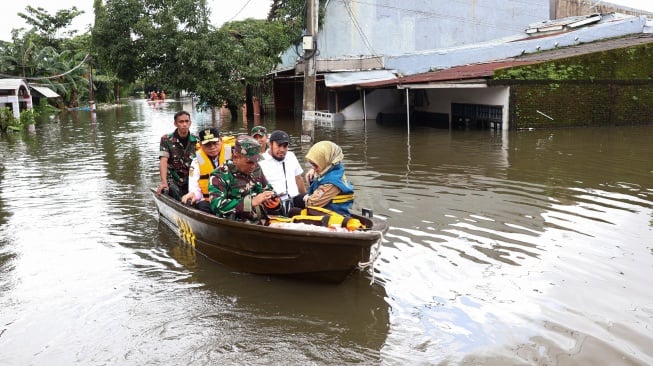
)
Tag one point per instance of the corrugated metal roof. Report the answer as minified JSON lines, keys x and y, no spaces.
{"x":45,"y":91}
{"x":458,"y":73}
{"x":352,"y":78}
{"x":485,"y":70}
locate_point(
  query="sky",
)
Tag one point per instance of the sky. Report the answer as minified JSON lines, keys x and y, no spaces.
{"x":221,"y":10}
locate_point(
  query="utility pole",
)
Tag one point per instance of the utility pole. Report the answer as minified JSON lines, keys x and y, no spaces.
{"x":309,"y":46}
{"x":91,"y":101}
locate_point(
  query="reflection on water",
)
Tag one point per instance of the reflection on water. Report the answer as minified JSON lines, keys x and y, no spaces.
{"x":530,"y":247}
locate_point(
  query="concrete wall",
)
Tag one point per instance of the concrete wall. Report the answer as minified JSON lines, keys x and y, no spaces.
{"x":375,"y":101}
{"x":440,"y":100}
{"x":390,"y":27}
{"x":604,"y":88}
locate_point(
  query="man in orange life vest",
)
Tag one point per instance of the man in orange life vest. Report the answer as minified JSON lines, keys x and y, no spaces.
{"x":206,"y":160}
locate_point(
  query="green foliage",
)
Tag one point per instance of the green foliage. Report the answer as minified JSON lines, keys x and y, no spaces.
{"x":7,"y":120}
{"x":545,"y":71}
{"x":179,"y":50}
{"x":41,"y":55}
{"x":50,"y":28}
{"x":10,"y":123}
{"x":630,"y":63}
{"x":28,"y":117}
{"x":169,"y":44}
{"x":45,"y":108}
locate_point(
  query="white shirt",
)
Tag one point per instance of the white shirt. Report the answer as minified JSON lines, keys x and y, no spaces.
{"x":274,"y":172}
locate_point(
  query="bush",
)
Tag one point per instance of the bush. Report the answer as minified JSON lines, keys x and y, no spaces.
{"x":10,"y":123}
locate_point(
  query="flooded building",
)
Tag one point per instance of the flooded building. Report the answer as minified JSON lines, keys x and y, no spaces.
{"x":422,"y":61}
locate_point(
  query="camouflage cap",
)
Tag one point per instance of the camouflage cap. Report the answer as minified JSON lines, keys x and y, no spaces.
{"x":258,"y":130}
{"x":249,"y":147}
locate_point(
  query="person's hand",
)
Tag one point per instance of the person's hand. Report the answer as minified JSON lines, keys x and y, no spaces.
{"x":161,"y":187}
{"x":310,"y":174}
{"x":188,"y":197}
{"x":260,"y":198}
{"x":272,"y":203}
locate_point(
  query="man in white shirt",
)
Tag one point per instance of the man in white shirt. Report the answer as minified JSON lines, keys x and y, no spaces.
{"x":281,"y":167}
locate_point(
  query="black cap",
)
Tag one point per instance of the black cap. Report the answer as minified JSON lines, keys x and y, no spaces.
{"x":209,"y":135}
{"x":280,"y":137}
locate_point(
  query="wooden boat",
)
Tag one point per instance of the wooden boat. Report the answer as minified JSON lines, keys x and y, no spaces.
{"x":316,"y":255}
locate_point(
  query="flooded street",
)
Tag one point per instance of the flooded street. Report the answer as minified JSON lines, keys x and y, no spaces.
{"x":525,"y":247}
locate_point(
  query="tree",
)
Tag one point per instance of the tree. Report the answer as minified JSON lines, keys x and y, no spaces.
{"x":170,"y":43}
{"x":50,"y":28}
{"x":140,"y":38}
{"x":39,"y":56}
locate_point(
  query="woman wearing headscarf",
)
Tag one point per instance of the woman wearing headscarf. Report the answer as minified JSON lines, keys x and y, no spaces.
{"x":329,"y":187}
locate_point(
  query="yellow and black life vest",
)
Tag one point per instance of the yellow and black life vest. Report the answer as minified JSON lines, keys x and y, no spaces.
{"x":321,"y":216}
{"x":225,"y":152}
{"x":206,"y":167}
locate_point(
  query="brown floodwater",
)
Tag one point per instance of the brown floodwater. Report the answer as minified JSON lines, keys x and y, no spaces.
{"x":521,"y":247}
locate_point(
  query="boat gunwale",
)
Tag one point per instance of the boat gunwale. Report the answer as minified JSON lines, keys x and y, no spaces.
{"x":375,"y":233}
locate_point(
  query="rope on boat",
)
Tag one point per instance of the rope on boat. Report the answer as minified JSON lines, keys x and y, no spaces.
{"x":373,"y":256}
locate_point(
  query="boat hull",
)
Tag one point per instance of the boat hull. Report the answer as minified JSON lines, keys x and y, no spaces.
{"x":316,"y":255}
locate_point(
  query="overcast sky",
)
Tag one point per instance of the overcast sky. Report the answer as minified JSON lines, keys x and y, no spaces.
{"x":221,"y":10}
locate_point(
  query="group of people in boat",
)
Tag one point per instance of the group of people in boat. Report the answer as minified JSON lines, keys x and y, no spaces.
{"x":250,"y":177}
{"x":155,"y":96}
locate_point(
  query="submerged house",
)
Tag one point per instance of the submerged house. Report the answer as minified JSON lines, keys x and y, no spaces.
{"x":19,"y":96}
{"x":15,"y":94}
{"x":419,"y":61}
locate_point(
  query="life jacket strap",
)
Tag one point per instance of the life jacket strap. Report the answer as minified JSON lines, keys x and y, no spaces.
{"x":343,"y":198}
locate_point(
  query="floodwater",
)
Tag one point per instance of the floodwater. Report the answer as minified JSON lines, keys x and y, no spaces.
{"x":527,"y":247}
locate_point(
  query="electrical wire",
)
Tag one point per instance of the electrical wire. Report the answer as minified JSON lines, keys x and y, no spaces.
{"x":49,"y":77}
{"x":239,"y":11}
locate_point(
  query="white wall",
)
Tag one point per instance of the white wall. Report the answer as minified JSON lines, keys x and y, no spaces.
{"x":390,"y":27}
{"x":375,"y":101}
{"x":440,"y":100}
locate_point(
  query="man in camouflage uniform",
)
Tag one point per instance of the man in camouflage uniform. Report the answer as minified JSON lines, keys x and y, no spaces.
{"x":260,"y":133}
{"x":237,"y":190}
{"x":176,"y":152}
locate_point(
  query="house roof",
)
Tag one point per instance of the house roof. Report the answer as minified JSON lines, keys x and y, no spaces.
{"x":45,"y":91}
{"x":458,"y":73}
{"x":348,"y":78}
{"x":470,"y":72}
{"x":11,"y":84}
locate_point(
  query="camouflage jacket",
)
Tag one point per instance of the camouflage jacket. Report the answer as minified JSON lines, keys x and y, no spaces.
{"x":179,"y":156}
{"x":231,"y":193}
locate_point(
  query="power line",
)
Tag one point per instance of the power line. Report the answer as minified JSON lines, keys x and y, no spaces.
{"x":50,"y":77}
{"x":239,"y":11}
